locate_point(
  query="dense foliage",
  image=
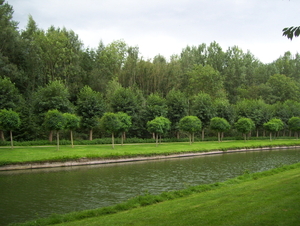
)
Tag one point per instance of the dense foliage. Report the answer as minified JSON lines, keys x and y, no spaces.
{"x":42,"y":70}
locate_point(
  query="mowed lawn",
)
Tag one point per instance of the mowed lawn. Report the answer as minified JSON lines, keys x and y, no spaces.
{"x":44,"y":153}
{"x":267,"y":201}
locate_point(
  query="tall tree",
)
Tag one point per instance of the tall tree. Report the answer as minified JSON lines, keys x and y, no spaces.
{"x":215,"y":57}
{"x":155,"y":106}
{"x":9,"y":38}
{"x":60,"y":51}
{"x":109,"y":61}
{"x":90,"y":106}
{"x":33,"y":62}
{"x":129,"y":101}
{"x":10,"y":97}
{"x":53,"y":96}
{"x":282,"y":88}
{"x":285,"y":64}
{"x":11,"y":49}
{"x":158,"y":74}
{"x":193,"y":55}
{"x":128,"y":74}
{"x":203,"y":108}
{"x":294,"y":125}
{"x":234,"y":71}
{"x":224,"y":109}
{"x":205,"y":79}
{"x":177,"y":105}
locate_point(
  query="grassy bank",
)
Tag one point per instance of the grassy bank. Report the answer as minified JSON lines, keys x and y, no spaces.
{"x":265,"y":198}
{"x":27,"y":154}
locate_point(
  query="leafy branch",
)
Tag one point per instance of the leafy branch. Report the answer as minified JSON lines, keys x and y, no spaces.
{"x":291,"y":32}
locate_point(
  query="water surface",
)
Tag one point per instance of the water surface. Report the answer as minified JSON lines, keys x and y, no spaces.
{"x":30,"y":194}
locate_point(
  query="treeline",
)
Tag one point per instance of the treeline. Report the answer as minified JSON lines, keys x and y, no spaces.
{"x":41,"y":70}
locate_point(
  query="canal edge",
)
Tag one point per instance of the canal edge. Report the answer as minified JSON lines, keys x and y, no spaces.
{"x":85,"y":162}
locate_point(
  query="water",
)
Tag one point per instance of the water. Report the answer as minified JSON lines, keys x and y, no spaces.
{"x":29,"y":194}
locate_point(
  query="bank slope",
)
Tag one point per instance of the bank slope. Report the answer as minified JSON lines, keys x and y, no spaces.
{"x":44,"y":156}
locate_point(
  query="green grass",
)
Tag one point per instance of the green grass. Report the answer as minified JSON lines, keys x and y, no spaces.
{"x":27,"y":154}
{"x":272,"y":201}
{"x":269,"y":198}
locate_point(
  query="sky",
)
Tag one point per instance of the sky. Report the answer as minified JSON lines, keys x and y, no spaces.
{"x":165,"y":27}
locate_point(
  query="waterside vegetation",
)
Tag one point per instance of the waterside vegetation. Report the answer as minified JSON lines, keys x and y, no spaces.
{"x":41,"y":154}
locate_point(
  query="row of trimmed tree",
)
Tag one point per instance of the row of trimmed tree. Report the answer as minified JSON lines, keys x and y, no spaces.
{"x":120,"y":123}
{"x":192,"y":124}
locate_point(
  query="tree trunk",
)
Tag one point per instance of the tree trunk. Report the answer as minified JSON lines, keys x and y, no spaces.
{"x":72,"y":143}
{"x":57,"y":138}
{"x":177,"y":135}
{"x":222,"y":136}
{"x":156,"y":139}
{"x":202,"y":134}
{"x":190,"y":136}
{"x":2,"y":135}
{"x":91,"y":134}
{"x":193,"y":137}
{"x":257,"y":133}
{"x":122,"y":138}
{"x":270,"y":136}
{"x":160,"y":138}
{"x":113,"y":140}
{"x":245,"y":137}
{"x":11,"y":140}
{"x":51,"y":136}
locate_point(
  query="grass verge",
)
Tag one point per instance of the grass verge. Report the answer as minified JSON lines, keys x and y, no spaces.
{"x":265,"y":198}
{"x":40,"y":154}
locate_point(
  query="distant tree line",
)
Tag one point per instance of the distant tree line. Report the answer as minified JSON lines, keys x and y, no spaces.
{"x":47,"y":70}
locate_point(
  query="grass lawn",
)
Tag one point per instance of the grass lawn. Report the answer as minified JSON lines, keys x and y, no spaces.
{"x":266,"y":199}
{"x":49,"y":153}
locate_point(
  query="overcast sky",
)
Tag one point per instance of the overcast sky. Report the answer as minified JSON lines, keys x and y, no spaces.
{"x":167,"y":26}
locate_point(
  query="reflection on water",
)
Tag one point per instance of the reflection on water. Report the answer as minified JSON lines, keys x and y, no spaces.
{"x":29,"y":194}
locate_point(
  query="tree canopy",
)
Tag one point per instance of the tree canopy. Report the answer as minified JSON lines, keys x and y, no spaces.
{"x":220,"y":125}
{"x":244,"y":126}
{"x":190,"y":124}
{"x":10,"y":121}
{"x":46,"y":69}
{"x":158,"y":126}
{"x":111,"y":123}
{"x":274,"y":125}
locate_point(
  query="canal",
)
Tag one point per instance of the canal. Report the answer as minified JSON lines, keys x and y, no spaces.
{"x":30,"y":194}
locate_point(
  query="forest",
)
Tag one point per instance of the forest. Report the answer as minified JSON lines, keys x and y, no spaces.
{"x":43,"y":70}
